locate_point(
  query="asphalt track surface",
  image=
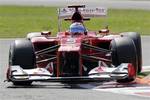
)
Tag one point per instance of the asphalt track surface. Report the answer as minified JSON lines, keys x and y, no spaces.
{"x":125,"y":4}
{"x":58,"y":91}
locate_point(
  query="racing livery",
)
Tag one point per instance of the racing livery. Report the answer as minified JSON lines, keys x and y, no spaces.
{"x":77,"y":54}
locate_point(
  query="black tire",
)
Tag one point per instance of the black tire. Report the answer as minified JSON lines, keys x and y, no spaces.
{"x":137,"y":41}
{"x":124,"y":51}
{"x":22,"y":53}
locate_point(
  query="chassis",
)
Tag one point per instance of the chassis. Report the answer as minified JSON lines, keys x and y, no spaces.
{"x":86,"y":57}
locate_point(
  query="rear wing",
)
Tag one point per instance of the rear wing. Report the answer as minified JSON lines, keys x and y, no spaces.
{"x":64,"y":13}
{"x":85,"y":12}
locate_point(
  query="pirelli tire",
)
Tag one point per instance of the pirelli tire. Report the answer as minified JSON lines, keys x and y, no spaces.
{"x":22,"y":53}
{"x":124,"y":51}
{"x":137,"y":41}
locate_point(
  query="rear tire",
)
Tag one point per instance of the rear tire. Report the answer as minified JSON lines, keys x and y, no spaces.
{"x":22,"y":53}
{"x":124,"y":51}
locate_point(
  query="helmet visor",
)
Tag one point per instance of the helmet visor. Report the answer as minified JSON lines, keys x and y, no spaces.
{"x":77,"y":28}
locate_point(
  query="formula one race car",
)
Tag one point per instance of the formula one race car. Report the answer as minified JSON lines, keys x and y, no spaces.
{"x":75,"y":55}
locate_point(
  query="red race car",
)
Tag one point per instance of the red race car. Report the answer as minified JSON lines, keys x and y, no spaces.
{"x":75,"y":55}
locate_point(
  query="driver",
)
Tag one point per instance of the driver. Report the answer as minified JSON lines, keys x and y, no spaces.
{"x":77,"y":28}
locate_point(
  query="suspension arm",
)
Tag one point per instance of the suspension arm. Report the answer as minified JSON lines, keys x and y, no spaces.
{"x":96,"y":58}
{"x":96,"y":48}
{"x":49,"y":49}
{"x":45,"y":60}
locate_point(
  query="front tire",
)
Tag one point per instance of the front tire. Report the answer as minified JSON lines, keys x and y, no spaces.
{"x":22,"y":53}
{"x":124,"y":51}
{"x":137,"y":41}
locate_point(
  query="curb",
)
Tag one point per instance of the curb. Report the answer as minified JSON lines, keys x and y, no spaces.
{"x":145,"y":80}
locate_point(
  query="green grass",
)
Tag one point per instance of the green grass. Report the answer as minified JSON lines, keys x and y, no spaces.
{"x":143,"y":74}
{"x":17,"y":21}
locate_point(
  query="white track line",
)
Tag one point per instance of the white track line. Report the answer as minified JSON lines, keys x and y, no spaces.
{"x":114,"y":87}
{"x":137,"y":91}
{"x":146,"y":69}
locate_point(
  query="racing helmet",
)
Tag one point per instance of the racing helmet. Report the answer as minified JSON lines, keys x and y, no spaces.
{"x":77,"y":28}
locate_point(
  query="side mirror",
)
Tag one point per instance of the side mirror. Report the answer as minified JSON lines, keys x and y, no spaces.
{"x":46,"y":33}
{"x":104,"y":31}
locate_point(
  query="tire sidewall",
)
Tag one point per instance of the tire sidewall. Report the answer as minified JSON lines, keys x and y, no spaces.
{"x":22,"y":53}
{"x":137,"y":41}
{"x":124,"y":51}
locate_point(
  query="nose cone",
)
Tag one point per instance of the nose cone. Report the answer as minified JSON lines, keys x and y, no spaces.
{"x":70,"y":44}
{"x":69,"y":48}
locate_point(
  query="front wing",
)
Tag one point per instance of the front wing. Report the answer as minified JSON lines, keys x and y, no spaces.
{"x":122,"y":71}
